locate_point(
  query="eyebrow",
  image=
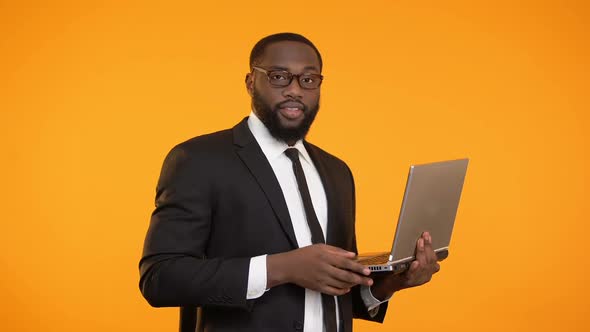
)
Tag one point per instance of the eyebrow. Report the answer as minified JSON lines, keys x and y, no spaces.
{"x":287,"y":69}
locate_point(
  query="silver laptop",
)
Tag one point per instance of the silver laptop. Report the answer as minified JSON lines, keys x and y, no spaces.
{"x":430,"y":204}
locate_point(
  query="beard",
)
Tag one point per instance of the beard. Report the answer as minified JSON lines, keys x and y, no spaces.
{"x":269,"y":115}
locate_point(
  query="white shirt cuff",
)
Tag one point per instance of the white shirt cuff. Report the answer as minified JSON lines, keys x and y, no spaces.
{"x":370,"y":301}
{"x":256,"y":277}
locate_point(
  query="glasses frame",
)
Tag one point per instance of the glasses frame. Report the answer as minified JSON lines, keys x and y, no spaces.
{"x":290,"y":75}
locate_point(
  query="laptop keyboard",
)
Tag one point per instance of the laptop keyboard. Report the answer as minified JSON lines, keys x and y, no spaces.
{"x":375,"y":260}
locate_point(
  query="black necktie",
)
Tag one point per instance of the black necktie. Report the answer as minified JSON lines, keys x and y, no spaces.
{"x":317,"y":236}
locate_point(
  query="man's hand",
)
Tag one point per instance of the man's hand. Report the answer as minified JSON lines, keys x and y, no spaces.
{"x":319,"y":267}
{"x":420,"y":271}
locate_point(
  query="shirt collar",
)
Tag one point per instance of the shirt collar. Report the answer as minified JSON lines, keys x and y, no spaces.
{"x":272,"y":147}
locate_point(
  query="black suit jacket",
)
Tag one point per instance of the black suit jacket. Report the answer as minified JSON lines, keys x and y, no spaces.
{"x":218,"y":203}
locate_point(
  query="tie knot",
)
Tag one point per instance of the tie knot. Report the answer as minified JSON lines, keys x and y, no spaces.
{"x":293,"y":154}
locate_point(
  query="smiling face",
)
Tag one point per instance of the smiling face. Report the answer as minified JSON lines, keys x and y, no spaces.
{"x":289,"y":111}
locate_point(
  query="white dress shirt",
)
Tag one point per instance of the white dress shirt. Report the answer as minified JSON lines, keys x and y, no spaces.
{"x":273,"y":150}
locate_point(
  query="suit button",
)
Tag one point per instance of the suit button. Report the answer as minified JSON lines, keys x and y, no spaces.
{"x":297,"y":325}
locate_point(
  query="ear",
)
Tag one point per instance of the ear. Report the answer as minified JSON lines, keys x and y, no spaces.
{"x":249,"y":83}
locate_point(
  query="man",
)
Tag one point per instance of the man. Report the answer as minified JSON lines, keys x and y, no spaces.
{"x":255,"y":226}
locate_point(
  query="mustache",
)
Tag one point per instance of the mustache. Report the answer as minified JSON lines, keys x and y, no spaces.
{"x":291,"y":103}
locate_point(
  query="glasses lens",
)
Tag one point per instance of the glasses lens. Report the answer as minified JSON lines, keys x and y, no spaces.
{"x":280,"y":78}
{"x":310,"y":81}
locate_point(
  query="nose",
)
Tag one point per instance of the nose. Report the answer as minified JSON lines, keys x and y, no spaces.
{"x":293,"y":90}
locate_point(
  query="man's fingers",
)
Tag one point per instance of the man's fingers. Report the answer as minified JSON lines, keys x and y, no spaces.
{"x":350,"y":278}
{"x":414,"y":266}
{"x":339,"y":251}
{"x":424,"y":252}
{"x":421,"y":251}
{"x":347,"y":263}
{"x":334,"y":291}
{"x":431,"y":258}
{"x":436,"y":267}
{"x":355,"y":267}
{"x":336,"y":283}
{"x":428,"y":251}
{"x":340,"y":258}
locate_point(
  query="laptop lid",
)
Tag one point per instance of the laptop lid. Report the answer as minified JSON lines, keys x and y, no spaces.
{"x":430,"y":203}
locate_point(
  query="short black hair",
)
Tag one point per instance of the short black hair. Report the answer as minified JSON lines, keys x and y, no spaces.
{"x":260,"y":47}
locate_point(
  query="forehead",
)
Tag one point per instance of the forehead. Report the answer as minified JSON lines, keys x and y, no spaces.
{"x":294,"y":56}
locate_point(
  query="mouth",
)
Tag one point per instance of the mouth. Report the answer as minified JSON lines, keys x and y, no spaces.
{"x":291,"y":110}
{"x":291,"y":113}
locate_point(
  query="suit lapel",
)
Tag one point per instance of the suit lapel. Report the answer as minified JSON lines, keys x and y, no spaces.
{"x":333,"y":234}
{"x":249,"y":151}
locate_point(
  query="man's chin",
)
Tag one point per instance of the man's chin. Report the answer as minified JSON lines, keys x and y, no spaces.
{"x":290,"y":124}
{"x":289,"y":130}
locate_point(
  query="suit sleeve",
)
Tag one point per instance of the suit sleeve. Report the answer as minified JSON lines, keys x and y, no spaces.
{"x":359,"y":309}
{"x":174,"y":269}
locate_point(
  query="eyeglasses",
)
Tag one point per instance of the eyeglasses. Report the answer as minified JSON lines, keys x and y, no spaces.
{"x":283,"y":78}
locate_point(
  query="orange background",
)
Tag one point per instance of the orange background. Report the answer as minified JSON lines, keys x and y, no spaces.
{"x":93,"y":95}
